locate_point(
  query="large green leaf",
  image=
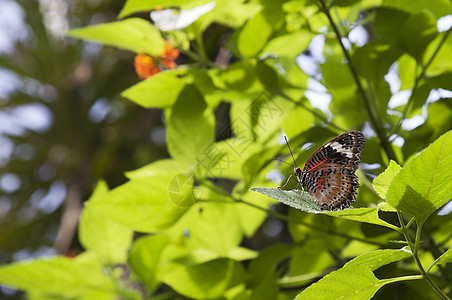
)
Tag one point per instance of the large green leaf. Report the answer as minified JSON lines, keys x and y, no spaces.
{"x":145,"y":258}
{"x":417,"y":33}
{"x":101,"y":235}
{"x":289,"y":45}
{"x":202,"y":227}
{"x":424,"y":184}
{"x":191,"y":127}
{"x":306,"y":203}
{"x":439,"y":8}
{"x":160,"y":167}
{"x":132,"y":34}
{"x":383,"y":181}
{"x":374,"y":59}
{"x":148,"y":204}
{"x":158,"y":91}
{"x":378,"y":258}
{"x":347,"y":283}
{"x":356,"y":280}
{"x":204,"y":281}
{"x":254,"y":36}
{"x":249,"y":217}
{"x":69,"y":278}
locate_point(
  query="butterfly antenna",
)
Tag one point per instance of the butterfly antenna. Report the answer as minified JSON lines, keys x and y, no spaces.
{"x":290,"y":150}
{"x":275,"y":158}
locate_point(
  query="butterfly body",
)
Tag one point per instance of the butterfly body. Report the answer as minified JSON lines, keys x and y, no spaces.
{"x":329,"y":174}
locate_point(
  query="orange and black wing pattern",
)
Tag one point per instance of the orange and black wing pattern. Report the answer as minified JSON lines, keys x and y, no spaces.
{"x":329,"y":174}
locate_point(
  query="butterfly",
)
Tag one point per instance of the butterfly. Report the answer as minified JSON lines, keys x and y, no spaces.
{"x":329,"y":174}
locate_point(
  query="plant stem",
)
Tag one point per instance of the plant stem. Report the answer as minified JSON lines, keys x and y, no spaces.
{"x":373,"y":117}
{"x":415,"y":251}
{"x":417,"y":80}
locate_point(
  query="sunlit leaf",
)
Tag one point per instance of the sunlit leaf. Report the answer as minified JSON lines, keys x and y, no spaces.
{"x":424,"y":184}
{"x":191,"y":128}
{"x":204,"y":281}
{"x":132,"y":34}
{"x":356,"y":280}
{"x":148,"y":204}
{"x":382,"y":182}
{"x":70,"y":278}
{"x":158,"y":91}
{"x":105,"y":237}
{"x":145,"y":257}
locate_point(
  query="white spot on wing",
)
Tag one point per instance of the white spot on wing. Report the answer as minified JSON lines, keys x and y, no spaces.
{"x":340,"y":148}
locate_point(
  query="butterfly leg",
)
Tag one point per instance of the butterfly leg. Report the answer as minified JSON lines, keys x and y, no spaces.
{"x":299,"y":200}
{"x":280,"y":187}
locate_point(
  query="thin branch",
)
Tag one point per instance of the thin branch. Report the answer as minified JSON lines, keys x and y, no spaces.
{"x":416,"y":82}
{"x":373,"y":118}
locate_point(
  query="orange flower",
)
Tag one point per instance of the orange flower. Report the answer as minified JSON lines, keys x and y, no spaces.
{"x":144,"y":66}
{"x":169,"y":63}
{"x":170,"y":52}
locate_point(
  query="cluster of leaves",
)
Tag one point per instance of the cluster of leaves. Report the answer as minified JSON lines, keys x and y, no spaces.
{"x":201,"y":233}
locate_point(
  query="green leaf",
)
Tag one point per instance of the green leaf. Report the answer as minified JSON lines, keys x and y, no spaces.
{"x":307,"y":204}
{"x":145,"y":257}
{"x":240,"y":76}
{"x":230,"y":13}
{"x":251,"y":218}
{"x":347,"y":283}
{"x":134,"y":6}
{"x":132,"y":34}
{"x":441,"y":81}
{"x":160,"y":167}
{"x":382,"y":182}
{"x":254,"y":36}
{"x":148,"y":204}
{"x":69,"y":278}
{"x":204,"y":281}
{"x":374,"y":59}
{"x":108,"y":239}
{"x":292,"y":198}
{"x":202,"y":226}
{"x":424,"y":184}
{"x":158,"y":91}
{"x":288,"y":45}
{"x":364,"y":214}
{"x":417,"y":33}
{"x":292,"y":125}
{"x":439,"y":8}
{"x":191,"y":127}
{"x":268,"y":261}
{"x":445,"y":258}
{"x":378,"y":258}
{"x":386,"y":19}
{"x":356,"y":280}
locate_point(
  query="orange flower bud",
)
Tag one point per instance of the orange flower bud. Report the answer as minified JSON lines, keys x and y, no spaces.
{"x":169,"y":63}
{"x":171,"y":52}
{"x":144,"y":66}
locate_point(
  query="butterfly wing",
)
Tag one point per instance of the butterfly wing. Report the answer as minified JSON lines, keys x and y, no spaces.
{"x":329,"y":174}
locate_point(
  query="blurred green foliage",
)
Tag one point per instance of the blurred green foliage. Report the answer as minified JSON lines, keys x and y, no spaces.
{"x":189,"y":226}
